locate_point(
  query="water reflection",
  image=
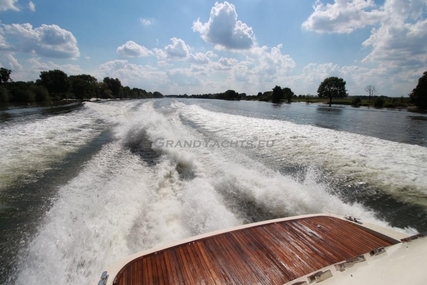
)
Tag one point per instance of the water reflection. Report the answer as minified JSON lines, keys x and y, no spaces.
{"x":328,"y":117}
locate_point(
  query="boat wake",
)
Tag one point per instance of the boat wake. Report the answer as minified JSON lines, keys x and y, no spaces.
{"x":139,"y":191}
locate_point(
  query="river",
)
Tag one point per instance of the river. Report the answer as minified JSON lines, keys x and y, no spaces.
{"x":85,"y":185}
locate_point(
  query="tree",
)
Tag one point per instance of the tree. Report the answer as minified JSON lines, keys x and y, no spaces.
{"x":104,"y":91}
{"x":4,"y":75}
{"x":4,"y":94}
{"x":419,"y":94}
{"x":379,"y":102}
{"x":277,"y":95}
{"x":56,"y":82}
{"x":288,"y":94}
{"x":114,"y":85}
{"x":157,"y":94}
{"x":332,"y":87}
{"x":84,"y":86}
{"x":370,"y":89}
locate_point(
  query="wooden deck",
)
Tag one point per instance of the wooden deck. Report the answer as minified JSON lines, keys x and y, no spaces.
{"x":274,"y":253}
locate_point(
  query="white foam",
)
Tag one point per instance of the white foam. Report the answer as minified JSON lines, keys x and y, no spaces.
{"x":29,"y":148}
{"x":397,"y":168}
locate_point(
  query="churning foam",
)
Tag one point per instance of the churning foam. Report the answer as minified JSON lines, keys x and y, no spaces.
{"x":30,"y":147}
{"x":397,"y":168}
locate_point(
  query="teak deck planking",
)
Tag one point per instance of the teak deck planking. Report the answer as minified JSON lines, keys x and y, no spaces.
{"x":273,"y":253}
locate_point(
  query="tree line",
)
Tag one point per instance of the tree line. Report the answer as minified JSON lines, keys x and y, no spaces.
{"x":231,"y":95}
{"x":334,"y":87}
{"x":56,"y":85}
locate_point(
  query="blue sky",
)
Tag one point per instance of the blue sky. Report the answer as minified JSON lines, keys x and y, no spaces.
{"x":195,"y":46}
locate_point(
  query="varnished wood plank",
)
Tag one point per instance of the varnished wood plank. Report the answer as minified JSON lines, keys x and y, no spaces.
{"x":173,"y":268}
{"x":262,"y":262}
{"x":211,"y":265}
{"x":266,"y":254}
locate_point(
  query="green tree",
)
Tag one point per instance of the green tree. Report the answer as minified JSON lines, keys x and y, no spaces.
{"x":114,"y":85}
{"x":356,"y":102}
{"x":379,"y":102}
{"x":104,"y":91}
{"x":332,"y":87}
{"x":157,"y":94}
{"x":288,"y":94}
{"x":4,"y":94}
{"x":56,"y":82}
{"x":21,"y":91}
{"x":84,"y":86}
{"x":419,"y":94}
{"x":277,"y":95}
{"x":4,"y":75}
{"x":41,"y":93}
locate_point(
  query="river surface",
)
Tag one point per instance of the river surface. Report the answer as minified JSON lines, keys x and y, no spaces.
{"x":85,"y":185}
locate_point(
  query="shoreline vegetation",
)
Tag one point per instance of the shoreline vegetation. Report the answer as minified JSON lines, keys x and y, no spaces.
{"x":382,"y":102}
{"x":55,"y":87}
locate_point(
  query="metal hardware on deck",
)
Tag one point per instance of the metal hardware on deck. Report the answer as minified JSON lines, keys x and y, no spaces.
{"x":353,"y":219}
{"x":104,"y":277}
{"x":349,"y":263}
{"x":377,"y":251}
{"x":320,"y":276}
{"x":411,"y":238}
{"x":300,"y":283}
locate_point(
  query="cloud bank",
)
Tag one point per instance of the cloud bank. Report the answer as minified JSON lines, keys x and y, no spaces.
{"x":46,"y":40}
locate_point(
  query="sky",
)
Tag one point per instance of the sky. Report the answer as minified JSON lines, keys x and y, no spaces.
{"x":198,"y":46}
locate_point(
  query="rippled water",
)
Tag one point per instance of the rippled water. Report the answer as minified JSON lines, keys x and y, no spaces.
{"x":81,"y":189}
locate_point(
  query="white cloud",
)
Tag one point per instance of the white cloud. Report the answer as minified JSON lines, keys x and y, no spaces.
{"x":397,"y":39}
{"x":130,"y":74}
{"x":224,"y":63}
{"x":146,"y":22}
{"x":38,"y":65}
{"x":199,"y":58}
{"x":47,"y":40}
{"x":182,"y":77}
{"x":32,"y":6}
{"x":343,"y":16}
{"x":224,"y":30}
{"x":7,"y":60}
{"x":8,"y":5}
{"x":132,"y":49}
{"x":400,"y":39}
{"x":178,"y":49}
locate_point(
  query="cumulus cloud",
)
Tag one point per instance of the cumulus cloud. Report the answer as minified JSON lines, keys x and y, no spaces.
{"x":178,"y":49}
{"x":225,"y":63}
{"x":32,"y":6}
{"x":400,"y":39}
{"x":342,"y":16}
{"x":397,"y":38}
{"x":199,"y":58}
{"x":224,"y":30}
{"x":132,"y":49}
{"x":47,"y":40}
{"x":38,"y":65}
{"x":182,"y":77}
{"x":7,"y":60}
{"x":272,"y":61}
{"x":132,"y":74}
{"x":8,"y":5}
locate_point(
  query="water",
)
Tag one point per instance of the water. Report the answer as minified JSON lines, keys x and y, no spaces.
{"x":85,"y":186}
